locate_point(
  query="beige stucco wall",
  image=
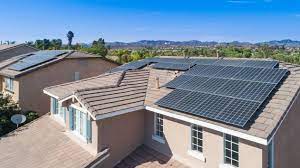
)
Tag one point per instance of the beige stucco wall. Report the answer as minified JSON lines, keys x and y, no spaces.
{"x":122,"y":134}
{"x":31,"y":85}
{"x":15,"y":94}
{"x":287,"y":139}
{"x":177,"y":137}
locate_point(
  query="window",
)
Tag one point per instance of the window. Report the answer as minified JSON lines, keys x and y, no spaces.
{"x":196,"y":139}
{"x":231,"y":150}
{"x":76,"y":76}
{"x":9,"y":84}
{"x":159,"y":125}
{"x":54,"y":106}
{"x":271,"y":154}
{"x":80,"y":124}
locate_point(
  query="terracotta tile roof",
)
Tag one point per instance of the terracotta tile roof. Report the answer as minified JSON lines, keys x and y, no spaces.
{"x":146,"y":157}
{"x":42,"y":143}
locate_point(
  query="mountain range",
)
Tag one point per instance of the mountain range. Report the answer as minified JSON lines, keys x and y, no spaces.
{"x":197,"y":43}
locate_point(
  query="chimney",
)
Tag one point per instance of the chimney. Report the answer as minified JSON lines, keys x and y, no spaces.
{"x":157,"y":82}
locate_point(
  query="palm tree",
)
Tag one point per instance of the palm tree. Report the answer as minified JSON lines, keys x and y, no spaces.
{"x":70,"y":36}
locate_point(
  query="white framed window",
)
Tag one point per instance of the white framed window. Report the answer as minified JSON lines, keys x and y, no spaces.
{"x":159,"y":125}
{"x":77,"y":76}
{"x":231,"y":150}
{"x":9,"y":84}
{"x":196,"y":138}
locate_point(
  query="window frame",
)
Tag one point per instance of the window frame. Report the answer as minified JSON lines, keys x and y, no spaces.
{"x":271,"y":154}
{"x":197,"y":138}
{"x":231,"y":150}
{"x":9,"y":84}
{"x":158,"y":135}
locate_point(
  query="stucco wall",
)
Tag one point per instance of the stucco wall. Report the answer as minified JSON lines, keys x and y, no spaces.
{"x":177,"y":137}
{"x":287,"y":139}
{"x":31,"y":85}
{"x":6,"y":54}
{"x":122,"y":134}
{"x":15,"y":94}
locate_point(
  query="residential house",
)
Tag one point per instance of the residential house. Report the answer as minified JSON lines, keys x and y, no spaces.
{"x":10,"y":50}
{"x":209,"y":113}
{"x":24,"y":76}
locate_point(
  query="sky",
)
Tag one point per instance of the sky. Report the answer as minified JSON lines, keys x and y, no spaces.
{"x":133,"y":20}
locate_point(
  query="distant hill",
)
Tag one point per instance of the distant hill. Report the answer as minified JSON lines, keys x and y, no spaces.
{"x":196,"y":43}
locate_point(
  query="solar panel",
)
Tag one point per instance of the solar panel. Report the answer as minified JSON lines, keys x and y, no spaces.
{"x":35,"y":58}
{"x":170,"y":99}
{"x":224,"y":62}
{"x":193,"y":83}
{"x":238,"y":112}
{"x":134,"y":65}
{"x":232,"y":88}
{"x":260,"y":64}
{"x":182,"y":67}
{"x":205,"y":61}
{"x":228,"y":72}
{"x":212,"y":106}
{"x":178,"y":81}
{"x":190,"y":102}
{"x":256,"y":91}
{"x":211,"y":85}
{"x":195,"y":70}
{"x":271,"y":75}
{"x":211,"y":70}
{"x":162,"y":65}
{"x":248,"y":73}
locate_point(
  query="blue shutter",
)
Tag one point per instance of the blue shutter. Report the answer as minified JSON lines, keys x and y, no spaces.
{"x":84,"y":118}
{"x":71,"y":122}
{"x":88,"y":129}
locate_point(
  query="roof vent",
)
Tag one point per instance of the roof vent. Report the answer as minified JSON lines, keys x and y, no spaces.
{"x":157,"y":82}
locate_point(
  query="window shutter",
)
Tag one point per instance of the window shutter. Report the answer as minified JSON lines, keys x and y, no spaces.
{"x":84,"y":118}
{"x":71,"y":122}
{"x":88,"y":129}
{"x":65,"y":111}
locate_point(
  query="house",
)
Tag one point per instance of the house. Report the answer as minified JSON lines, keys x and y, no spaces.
{"x":23,"y":77}
{"x":10,"y":50}
{"x":199,"y":112}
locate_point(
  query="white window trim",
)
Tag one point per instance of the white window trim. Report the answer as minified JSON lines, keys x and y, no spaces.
{"x":8,"y":87}
{"x":194,"y":153}
{"x":154,"y":136}
{"x":225,"y":165}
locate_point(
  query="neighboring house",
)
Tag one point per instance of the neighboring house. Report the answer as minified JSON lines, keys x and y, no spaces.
{"x":216,"y":114}
{"x":24,"y":76}
{"x":10,"y":50}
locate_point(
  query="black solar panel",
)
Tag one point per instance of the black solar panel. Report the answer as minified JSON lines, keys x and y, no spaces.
{"x":205,"y":61}
{"x":256,"y":91}
{"x":172,"y":98}
{"x":232,"y":88}
{"x":212,"y":106}
{"x":178,"y":81}
{"x":211,"y":70}
{"x":271,"y":75}
{"x":228,"y":72}
{"x":173,"y":66}
{"x":197,"y":69}
{"x":248,"y":73}
{"x":225,"y":62}
{"x":35,"y":58}
{"x":193,"y":83}
{"x":211,"y":85}
{"x":190,"y":102}
{"x":238,"y":112}
{"x":162,"y":65}
{"x":260,"y":64}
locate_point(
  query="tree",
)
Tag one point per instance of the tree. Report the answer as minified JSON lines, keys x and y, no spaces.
{"x":98,"y":47}
{"x":56,"y":44}
{"x":70,"y":36}
{"x":39,"y":44}
{"x":46,"y":44}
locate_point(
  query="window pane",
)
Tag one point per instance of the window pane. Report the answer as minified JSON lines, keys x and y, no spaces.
{"x":228,"y":153}
{"x":228,"y":137}
{"x":235,"y":163}
{"x":200,"y":135}
{"x":235,"y":156}
{"x":235,"y":147}
{"x":227,"y":160}
{"x":235,"y":139}
{"x":228,"y":145}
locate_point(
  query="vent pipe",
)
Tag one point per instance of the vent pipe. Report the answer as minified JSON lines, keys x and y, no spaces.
{"x":157,"y":82}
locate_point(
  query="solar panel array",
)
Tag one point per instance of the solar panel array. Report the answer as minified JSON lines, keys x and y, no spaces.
{"x":35,"y":58}
{"x":173,"y":66}
{"x":224,"y":92}
{"x":131,"y":66}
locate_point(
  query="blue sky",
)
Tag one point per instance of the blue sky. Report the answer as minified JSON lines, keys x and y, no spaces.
{"x":132,"y":20}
